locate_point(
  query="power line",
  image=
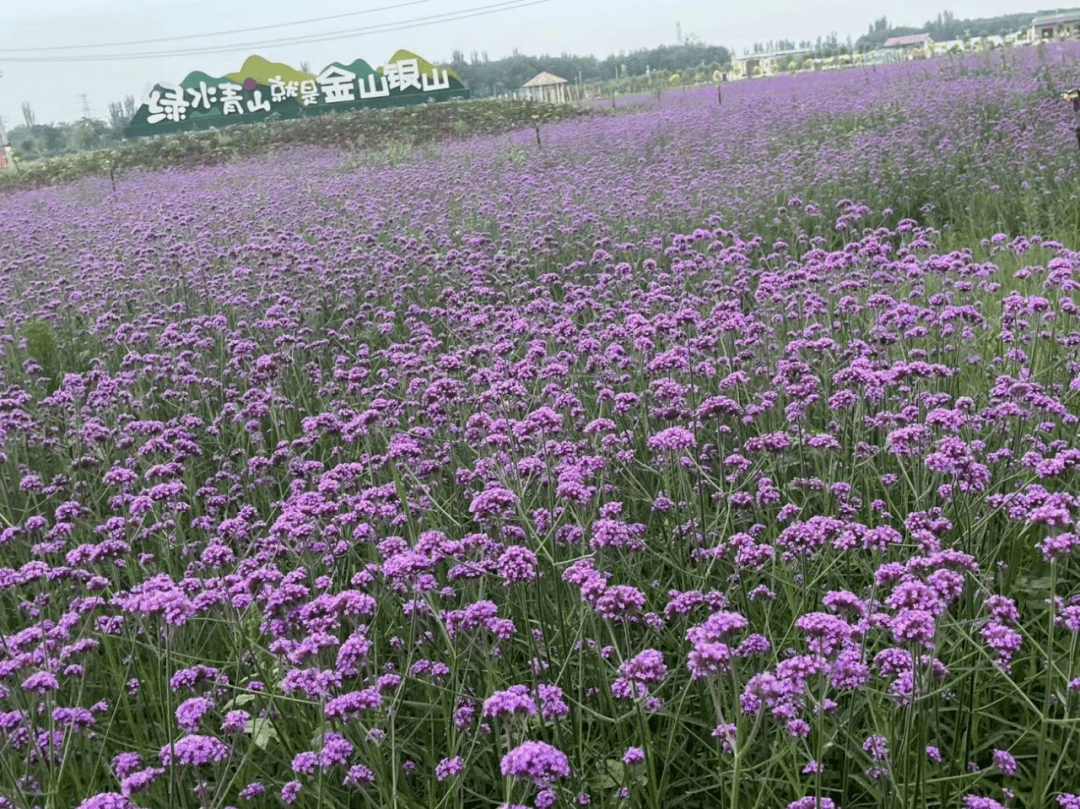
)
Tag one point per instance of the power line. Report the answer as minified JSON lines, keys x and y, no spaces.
{"x":214,"y":33}
{"x":401,"y":25}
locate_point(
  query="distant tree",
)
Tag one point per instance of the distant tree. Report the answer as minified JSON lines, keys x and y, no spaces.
{"x":87,"y":133}
{"x":40,"y":138}
{"x":28,"y":115}
{"x":116,"y":114}
{"x":118,"y":119}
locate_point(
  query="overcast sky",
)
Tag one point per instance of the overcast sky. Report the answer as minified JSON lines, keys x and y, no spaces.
{"x":599,"y":27}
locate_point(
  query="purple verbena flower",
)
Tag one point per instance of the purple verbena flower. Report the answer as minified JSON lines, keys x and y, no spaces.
{"x":536,"y":761}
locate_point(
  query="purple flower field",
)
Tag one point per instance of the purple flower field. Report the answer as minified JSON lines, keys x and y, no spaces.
{"x":709,"y":455}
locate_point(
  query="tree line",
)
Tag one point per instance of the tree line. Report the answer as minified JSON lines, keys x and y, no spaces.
{"x":494,"y":77}
{"x":31,"y":139}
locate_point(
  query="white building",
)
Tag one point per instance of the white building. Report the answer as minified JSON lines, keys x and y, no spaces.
{"x":1063,"y":25}
{"x":768,"y":64}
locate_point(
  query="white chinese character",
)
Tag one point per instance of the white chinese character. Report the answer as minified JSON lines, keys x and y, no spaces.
{"x":170,"y":104}
{"x":433,"y":83}
{"x":175,"y":103}
{"x":277,"y":89}
{"x":370,"y":91}
{"x":402,"y":75}
{"x":203,"y":96}
{"x":231,"y":99}
{"x":280,"y":90}
{"x":309,"y":92}
{"x":258,"y":103}
{"x":336,"y":84}
{"x":157,"y":112}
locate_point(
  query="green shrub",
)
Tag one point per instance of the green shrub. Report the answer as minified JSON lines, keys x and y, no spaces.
{"x":376,"y":129}
{"x":41,"y":346}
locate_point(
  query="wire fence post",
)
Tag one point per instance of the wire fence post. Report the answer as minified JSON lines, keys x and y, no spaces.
{"x":1074,"y":96}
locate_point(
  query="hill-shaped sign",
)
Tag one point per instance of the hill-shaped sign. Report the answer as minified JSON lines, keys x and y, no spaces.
{"x":263,"y":90}
{"x":255,"y":67}
{"x":425,"y":66}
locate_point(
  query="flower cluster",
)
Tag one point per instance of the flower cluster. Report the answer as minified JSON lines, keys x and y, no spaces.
{"x":695,"y":457}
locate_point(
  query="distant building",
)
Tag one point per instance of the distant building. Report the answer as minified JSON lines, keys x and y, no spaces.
{"x":1063,"y":25}
{"x":546,"y":87}
{"x":909,"y":42}
{"x":908,"y":46}
{"x":950,"y":46}
{"x":987,"y":43}
{"x":768,"y":64}
{"x":744,"y":67}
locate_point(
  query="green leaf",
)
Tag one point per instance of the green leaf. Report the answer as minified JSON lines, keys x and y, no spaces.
{"x":237,"y":701}
{"x":615,"y":775}
{"x":611,"y":777}
{"x":320,"y":732}
{"x":262,"y":731}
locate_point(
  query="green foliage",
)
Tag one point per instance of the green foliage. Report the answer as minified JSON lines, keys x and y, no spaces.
{"x":41,"y":346}
{"x":390,"y":154}
{"x":376,"y":129}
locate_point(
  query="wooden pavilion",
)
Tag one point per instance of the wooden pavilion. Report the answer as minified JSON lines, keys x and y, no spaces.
{"x":546,"y":87}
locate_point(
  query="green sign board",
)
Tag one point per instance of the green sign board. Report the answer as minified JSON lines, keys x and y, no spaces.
{"x":262,"y":89}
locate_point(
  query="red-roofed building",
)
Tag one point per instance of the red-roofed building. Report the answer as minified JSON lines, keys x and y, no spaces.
{"x":909,"y":46}
{"x":909,"y":42}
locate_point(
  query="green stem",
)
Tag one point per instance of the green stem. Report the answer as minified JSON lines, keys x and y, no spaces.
{"x":1042,"y":771}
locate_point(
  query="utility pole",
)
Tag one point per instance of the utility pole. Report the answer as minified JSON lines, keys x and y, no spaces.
{"x":85,"y":106}
{"x":678,"y":32}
